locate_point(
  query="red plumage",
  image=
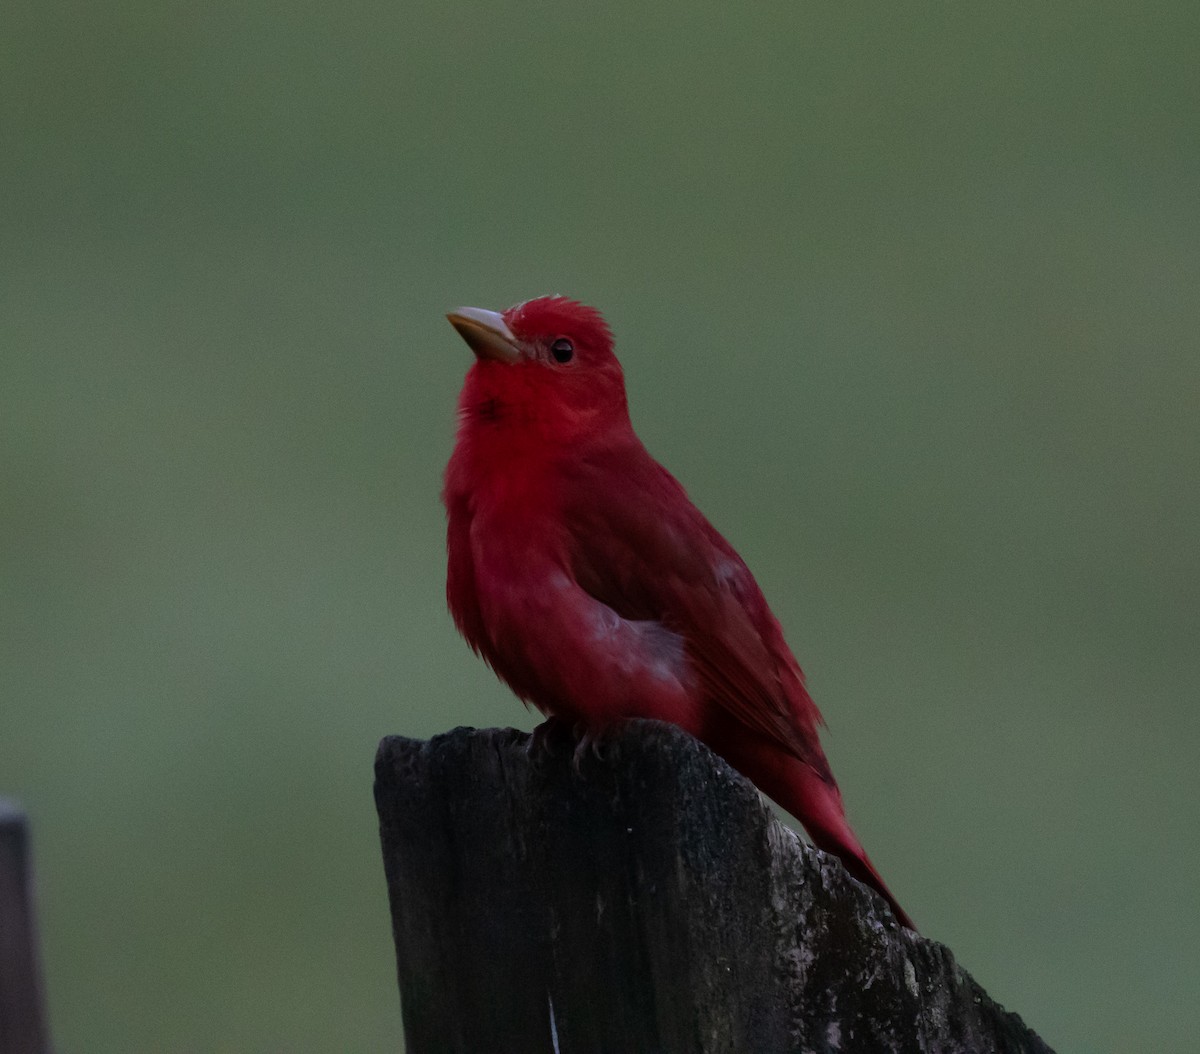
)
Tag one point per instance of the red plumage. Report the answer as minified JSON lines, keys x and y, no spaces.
{"x":581,"y":572}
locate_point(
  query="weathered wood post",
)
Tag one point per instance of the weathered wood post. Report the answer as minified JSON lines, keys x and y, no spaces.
{"x":648,"y":902}
{"x":22,"y":1023}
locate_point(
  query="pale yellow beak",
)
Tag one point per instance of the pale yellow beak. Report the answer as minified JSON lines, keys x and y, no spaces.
{"x":486,"y":332}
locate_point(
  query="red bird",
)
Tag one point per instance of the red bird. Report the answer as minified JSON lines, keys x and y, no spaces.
{"x":581,"y":572}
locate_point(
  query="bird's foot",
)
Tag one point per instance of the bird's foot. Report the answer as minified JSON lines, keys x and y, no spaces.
{"x":555,"y":731}
{"x":542,"y":738}
{"x":590,"y":742}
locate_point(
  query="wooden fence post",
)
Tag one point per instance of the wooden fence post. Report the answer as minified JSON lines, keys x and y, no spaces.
{"x":22,"y":1023}
{"x":647,"y":902}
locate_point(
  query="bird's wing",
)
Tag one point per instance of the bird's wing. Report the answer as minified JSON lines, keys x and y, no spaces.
{"x":641,"y":547}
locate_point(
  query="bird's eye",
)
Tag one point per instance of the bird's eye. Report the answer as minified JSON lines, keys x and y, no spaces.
{"x":562,"y":350}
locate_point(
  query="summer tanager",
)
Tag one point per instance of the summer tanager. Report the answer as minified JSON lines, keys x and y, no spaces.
{"x":584,"y":576}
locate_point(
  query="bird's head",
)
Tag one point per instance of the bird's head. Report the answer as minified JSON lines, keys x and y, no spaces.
{"x":546,"y":363}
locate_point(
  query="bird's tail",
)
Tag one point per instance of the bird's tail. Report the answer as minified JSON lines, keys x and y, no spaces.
{"x":825,"y":822}
{"x":816,"y":804}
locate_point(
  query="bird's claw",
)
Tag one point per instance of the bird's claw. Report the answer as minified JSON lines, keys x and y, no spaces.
{"x":589,"y":743}
{"x":588,"y":740}
{"x":541,"y":739}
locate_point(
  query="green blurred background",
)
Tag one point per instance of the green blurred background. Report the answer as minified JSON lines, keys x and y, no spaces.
{"x":907,"y":297}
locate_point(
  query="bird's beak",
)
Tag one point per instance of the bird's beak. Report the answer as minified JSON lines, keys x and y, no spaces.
{"x":486,"y":332}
